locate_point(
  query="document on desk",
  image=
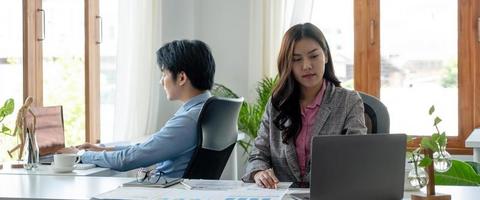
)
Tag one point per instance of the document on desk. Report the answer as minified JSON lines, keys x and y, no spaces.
{"x":199,"y":184}
{"x":246,"y":192}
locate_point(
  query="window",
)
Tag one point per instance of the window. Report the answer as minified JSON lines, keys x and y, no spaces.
{"x":108,"y":54}
{"x":339,"y":34}
{"x":63,"y":64}
{"x":11,"y":60}
{"x":419,"y":64}
{"x":429,"y":55}
{"x":53,"y":54}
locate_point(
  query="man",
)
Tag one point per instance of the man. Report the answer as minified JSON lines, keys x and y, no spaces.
{"x":187,"y":69}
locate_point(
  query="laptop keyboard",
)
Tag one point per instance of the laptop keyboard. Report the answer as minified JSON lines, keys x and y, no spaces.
{"x":46,"y":159}
{"x":83,"y":166}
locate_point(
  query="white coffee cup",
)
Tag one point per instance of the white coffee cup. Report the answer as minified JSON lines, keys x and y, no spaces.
{"x":64,"y":162}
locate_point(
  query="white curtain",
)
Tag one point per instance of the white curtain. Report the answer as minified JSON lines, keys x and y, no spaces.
{"x":298,"y":11}
{"x":267,"y":28}
{"x":273,"y":32}
{"x":137,"y":88}
{"x":271,"y":18}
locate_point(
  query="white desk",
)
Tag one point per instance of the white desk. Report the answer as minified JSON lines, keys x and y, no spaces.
{"x":85,"y":187}
{"x":457,"y":192}
{"x":56,"y":187}
{"x":46,"y":170}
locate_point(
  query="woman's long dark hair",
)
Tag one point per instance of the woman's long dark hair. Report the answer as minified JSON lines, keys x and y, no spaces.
{"x":286,"y":94}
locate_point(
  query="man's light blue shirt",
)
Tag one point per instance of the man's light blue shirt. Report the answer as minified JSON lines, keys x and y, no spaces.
{"x":170,"y":149}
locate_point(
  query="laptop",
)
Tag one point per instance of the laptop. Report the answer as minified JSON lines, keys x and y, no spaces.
{"x":49,"y":131}
{"x":357,"y":167}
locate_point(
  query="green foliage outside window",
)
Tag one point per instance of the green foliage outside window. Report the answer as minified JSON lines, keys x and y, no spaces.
{"x":64,"y":85}
{"x":450,"y":76}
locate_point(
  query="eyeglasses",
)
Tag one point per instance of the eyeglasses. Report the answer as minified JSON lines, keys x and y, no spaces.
{"x":151,"y":176}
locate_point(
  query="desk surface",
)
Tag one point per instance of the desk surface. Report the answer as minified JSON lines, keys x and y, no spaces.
{"x":85,"y":187}
{"x":46,"y":170}
{"x":56,"y":187}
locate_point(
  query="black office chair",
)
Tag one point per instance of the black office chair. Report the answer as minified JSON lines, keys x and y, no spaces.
{"x":217,"y":134}
{"x":377,"y":119}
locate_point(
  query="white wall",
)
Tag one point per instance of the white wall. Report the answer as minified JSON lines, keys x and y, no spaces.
{"x":225,"y":25}
{"x":229,"y":27}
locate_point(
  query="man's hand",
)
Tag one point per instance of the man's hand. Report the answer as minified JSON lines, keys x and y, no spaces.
{"x":93,"y":147}
{"x":266,"y":179}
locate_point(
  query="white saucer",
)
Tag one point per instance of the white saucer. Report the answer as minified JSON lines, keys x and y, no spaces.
{"x":62,"y":169}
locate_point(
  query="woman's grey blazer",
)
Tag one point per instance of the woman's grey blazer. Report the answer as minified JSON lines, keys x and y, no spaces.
{"x":341,"y":112}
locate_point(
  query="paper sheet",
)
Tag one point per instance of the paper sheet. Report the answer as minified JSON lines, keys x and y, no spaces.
{"x":245,"y":192}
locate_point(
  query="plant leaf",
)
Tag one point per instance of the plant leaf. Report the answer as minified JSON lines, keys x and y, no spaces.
{"x":5,"y":130}
{"x":244,"y":145}
{"x":222,"y":91}
{"x":251,"y":114}
{"x":442,"y":139}
{"x":475,"y":166}
{"x":428,"y":144}
{"x":460,"y":173}
{"x":431,"y":110}
{"x":437,"y":121}
{"x":435,"y":137}
{"x":7,"y":107}
{"x":426,"y":161}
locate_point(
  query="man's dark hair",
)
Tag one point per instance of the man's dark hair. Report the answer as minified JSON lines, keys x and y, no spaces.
{"x":190,"y":56}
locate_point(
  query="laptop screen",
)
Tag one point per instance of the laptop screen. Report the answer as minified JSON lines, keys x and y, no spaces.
{"x":49,"y":129}
{"x":358,"y":166}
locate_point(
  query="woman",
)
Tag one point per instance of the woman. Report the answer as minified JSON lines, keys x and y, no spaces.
{"x":308,"y":100}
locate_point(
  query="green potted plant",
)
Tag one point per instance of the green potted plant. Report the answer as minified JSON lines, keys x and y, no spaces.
{"x":432,"y":165}
{"x":5,"y":110}
{"x":250,"y":113}
{"x":430,"y":156}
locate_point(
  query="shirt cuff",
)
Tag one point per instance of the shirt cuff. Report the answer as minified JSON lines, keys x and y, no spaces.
{"x":254,"y":166}
{"x":87,"y":157}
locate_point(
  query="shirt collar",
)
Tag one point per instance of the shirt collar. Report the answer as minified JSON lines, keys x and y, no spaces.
{"x":319,"y":97}
{"x":201,"y":98}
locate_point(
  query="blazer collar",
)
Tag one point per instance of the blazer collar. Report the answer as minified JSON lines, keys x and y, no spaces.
{"x":320,"y":119}
{"x":291,"y":155}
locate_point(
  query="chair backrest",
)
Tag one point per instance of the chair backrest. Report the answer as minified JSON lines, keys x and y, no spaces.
{"x":217,"y":134}
{"x":377,"y":119}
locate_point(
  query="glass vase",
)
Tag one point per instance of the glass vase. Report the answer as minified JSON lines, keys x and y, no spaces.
{"x":31,"y":153}
{"x":417,"y":177}
{"x":442,"y":160}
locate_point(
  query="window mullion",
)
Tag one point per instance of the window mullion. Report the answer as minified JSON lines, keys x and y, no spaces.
{"x":32,"y":51}
{"x":92,"y":71}
{"x":367,"y":46}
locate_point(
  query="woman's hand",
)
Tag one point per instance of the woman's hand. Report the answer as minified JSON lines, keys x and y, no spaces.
{"x":266,"y":179}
